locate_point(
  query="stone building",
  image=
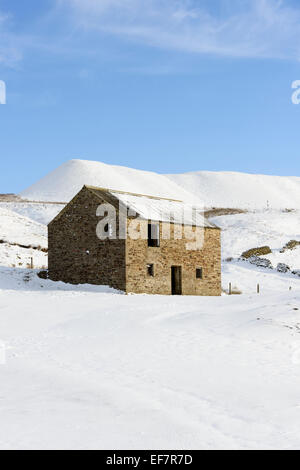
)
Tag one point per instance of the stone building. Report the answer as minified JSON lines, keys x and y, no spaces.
{"x":135,"y":243}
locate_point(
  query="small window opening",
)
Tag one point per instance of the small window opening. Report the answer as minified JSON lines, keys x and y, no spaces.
{"x":199,"y":273}
{"x":153,"y":235}
{"x":108,"y":229}
{"x":150,"y":270}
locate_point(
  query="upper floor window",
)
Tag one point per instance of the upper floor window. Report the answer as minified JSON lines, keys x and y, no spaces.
{"x":153,"y":235}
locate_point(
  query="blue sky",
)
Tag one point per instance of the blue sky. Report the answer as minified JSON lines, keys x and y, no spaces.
{"x":164,"y":85}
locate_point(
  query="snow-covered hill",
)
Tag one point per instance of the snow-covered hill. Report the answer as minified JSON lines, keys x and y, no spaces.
{"x":211,"y":189}
{"x":41,"y":213}
{"x":66,"y":180}
{"x":15,"y":228}
{"x":241,"y":190}
{"x":21,"y":240}
{"x":241,"y":232}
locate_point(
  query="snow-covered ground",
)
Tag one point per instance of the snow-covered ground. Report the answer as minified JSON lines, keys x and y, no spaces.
{"x":244,"y":278}
{"x":87,"y":368}
{"x":16,"y":256}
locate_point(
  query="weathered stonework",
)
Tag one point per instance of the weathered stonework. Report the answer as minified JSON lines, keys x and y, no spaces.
{"x":174,"y":253}
{"x":77,"y":255}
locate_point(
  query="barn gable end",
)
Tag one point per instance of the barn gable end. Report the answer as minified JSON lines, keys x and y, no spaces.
{"x":76,"y":255}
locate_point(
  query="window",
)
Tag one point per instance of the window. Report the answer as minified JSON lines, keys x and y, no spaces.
{"x":153,"y":235}
{"x":199,"y":273}
{"x":150,"y":270}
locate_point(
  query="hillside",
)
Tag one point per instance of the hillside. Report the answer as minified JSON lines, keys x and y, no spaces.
{"x":241,"y":232}
{"x":210,"y":189}
{"x":241,"y":190}
{"x":15,"y":228}
{"x":65,"y":181}
{"x":21,"y":240}
{"x":274,"y":226}
{"x":42,"y":213}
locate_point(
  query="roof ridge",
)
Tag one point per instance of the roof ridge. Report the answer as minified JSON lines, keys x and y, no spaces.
{"x":108,"y":190}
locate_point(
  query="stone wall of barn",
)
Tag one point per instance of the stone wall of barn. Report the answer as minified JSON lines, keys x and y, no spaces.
{"x":174,"y":253}
{"x":76,"y":254}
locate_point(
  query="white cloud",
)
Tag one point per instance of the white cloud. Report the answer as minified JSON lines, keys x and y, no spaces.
{"x":239,"y":28}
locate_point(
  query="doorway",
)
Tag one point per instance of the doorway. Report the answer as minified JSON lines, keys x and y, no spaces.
{"x":176,"y":280}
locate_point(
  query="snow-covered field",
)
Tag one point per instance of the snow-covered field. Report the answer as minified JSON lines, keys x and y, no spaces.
{"x":16,"y":256}
{"x":90,"y":369}
{"x":86,"y":367}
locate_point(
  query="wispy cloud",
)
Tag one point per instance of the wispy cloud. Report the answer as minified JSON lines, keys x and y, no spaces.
{"x":232,"y":28}
{"x":238,"y":28}
{"x":9,"y":51}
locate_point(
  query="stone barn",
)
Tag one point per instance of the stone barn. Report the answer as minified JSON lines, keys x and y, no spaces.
{"x":136,"y":244}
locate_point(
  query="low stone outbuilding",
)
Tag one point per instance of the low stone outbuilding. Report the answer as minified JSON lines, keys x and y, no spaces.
{"x":135,"y":243}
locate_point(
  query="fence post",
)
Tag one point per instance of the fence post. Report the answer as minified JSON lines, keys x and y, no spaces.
{"x":31,"y":263}
{"x":258,"y":288}
{"x":230,"y":289}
